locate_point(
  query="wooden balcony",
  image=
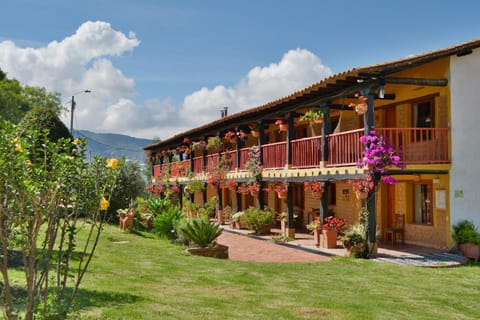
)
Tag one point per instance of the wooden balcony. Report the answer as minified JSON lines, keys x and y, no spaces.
{"x":414,"y":146}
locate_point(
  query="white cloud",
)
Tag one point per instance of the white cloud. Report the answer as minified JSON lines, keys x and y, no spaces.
{"x":297,"y":69}
{"x":81,"y":61}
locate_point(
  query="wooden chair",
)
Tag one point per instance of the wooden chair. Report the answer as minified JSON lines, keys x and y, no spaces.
{"x":398,"y":229}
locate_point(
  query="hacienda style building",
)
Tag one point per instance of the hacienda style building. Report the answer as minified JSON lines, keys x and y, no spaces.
{"x":425,"y":105}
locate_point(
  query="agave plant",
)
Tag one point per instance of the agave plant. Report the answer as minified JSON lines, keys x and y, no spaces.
{"x":201,"y":232}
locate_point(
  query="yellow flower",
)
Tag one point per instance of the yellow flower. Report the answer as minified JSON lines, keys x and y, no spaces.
{"x":18,"y":147}
{"x":112,"y":163}
{"x":76,"y":141}
{"x":104,"y":204}
{"x":14,"y":141}
{"x":28,"y":163}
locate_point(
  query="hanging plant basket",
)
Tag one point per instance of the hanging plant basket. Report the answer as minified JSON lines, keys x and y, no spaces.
{"x":360,"y":195}
{"x":318,"y":120}
{"x":283,"y":127}
{"x":282,"y":195}
{"x":361,"y":108}
{"x":255,"y":134}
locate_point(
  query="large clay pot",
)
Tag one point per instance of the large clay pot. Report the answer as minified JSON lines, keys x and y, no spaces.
{"x":330,"y":238}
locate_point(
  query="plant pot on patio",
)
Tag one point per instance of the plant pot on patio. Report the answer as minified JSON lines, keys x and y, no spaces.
{"x":470,"y":250}
{"x":218,"y":251}
{"x":330,"y":238}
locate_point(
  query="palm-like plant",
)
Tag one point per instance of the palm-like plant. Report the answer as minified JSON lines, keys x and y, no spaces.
{"x":201,"y":232}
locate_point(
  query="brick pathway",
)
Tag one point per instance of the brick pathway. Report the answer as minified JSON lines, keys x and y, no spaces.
{"x":245,"y":248}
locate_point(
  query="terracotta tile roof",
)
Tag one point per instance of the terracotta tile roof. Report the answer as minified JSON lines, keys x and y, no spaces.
{"x":327,"y":88}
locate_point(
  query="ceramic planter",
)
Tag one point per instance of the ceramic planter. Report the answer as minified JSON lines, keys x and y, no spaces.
{"x":330,"y":238}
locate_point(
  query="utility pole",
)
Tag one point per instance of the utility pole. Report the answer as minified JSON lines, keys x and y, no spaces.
{"x":72,"y":109}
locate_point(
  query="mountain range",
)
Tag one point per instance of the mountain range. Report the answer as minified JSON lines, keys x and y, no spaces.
{"x":114,"y":145}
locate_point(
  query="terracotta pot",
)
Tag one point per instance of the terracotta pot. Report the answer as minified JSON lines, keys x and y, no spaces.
{"x":330,"y":238}
{"x":255,"y":134}
{"x":316,"y":236}
{"x":361,"y":195}
{"x":282,"y":195}
{"x":219,"y":251}
{"x":283,"y":127}
{"x":254,"y":193}
{"x":317,"y":195}
{"x":470,"y":250}
{"x":318,"y":120}
{"x":361,"y":108}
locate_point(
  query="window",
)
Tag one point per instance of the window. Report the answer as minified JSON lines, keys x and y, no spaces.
{"x":423,"y":117}
{"x":422,"y":201}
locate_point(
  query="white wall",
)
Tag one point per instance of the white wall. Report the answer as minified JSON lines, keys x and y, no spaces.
{"x":465,"y":127}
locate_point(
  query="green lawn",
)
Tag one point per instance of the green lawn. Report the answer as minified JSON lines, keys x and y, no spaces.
{"x":136,"y":277}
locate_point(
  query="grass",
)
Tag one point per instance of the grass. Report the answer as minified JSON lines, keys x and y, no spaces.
{"x":138,"y":277}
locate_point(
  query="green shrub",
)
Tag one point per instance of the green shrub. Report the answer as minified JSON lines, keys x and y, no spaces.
{"x":164,"y":224}
{"x":158,"y":205}
{"x":258,"y":220}
{"x":465,"y":232}
{"x":201,"y":232}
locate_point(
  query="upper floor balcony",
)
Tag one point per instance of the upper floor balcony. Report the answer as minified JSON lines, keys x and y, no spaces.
{"x":413,"y":145}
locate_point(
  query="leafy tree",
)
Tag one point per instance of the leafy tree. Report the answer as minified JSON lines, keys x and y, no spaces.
{"x":45,"y":186}
{"x":16,"y":100}
{"x":130,"y":185}
{"x":45,"y":118}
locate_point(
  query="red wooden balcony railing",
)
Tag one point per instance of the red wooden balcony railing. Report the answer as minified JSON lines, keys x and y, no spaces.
{"x":157,"y":170}
{"x":274,"y":155}
{"x":212,"y":161}
{"x":413,"y":145}
{"x":344,"y":148}
{"x":198,"y":165}
{"x":232,"y":159}
{"x":418,"y":145}
{"x":306,"y":152}
{"x":243,"y":157}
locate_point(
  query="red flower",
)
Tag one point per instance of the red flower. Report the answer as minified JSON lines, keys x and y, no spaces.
{"x":331,"y":223}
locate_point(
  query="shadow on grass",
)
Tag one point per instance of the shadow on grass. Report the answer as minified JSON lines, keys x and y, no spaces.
{"x":93,"y":298}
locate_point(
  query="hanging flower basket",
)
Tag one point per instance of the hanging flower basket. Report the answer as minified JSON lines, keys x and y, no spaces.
{"x":282,"y":195}
{"x":361,"y":108}
{"x":318,"y":120}
{"x":255,"y":134}
{"x":282,"y":126}
{"x":361,"y":195}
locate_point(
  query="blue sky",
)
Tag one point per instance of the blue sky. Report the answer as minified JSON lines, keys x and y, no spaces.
{"x":157,"y":68}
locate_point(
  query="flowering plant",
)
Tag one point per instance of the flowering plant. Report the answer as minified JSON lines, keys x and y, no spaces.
{"x":281,"y":188}
{"x":316,"y":187}
{"x":378,"y":155}
{"x":253,"y":164}
{"x":333,"y":223}
{"x":233,"y":135}
{"x":229,"y":184}
{"x":253,"y":188}
{"x":362,"y":185}
{"x":361,"y":107}
{"x":199,"y":145}
{"x":314,"y":225}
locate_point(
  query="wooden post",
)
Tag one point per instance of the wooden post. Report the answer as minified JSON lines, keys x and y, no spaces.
{"x":261,"y":139}
{"x":325,"y":132}
{"x":371,"y":200}
{"x":324,"y":202}
{"x":290,"y":213}
{"x":290,"y":137}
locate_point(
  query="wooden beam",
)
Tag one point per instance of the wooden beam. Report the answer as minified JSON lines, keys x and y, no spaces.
{"x":418,"y":81}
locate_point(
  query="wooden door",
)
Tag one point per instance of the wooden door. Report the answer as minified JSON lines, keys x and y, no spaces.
{"x":391,"y":205}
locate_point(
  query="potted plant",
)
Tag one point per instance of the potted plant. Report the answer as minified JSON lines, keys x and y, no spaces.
{"x":253,"y":164}
{"x":281,"y":189}
{"x":214,"y":143}
{"x":361,"y":107}
{"x":315,"y":227}
{"x":331,"y":227}
{"x":254,"y":129}
{"x":315,"y":187}
{"x":199,"y":145}
{"x":354,"y":239}
{"x":238,"y":220}
{"x":314,"y":115}
{"x":362,"y":187}
{"x":202,"y":235}
{"x":466,"y":235}
{"x":259,"y":220}
{"x":253,"y":189}
{"x":282,"y":125}
{"x":230,"y":184}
